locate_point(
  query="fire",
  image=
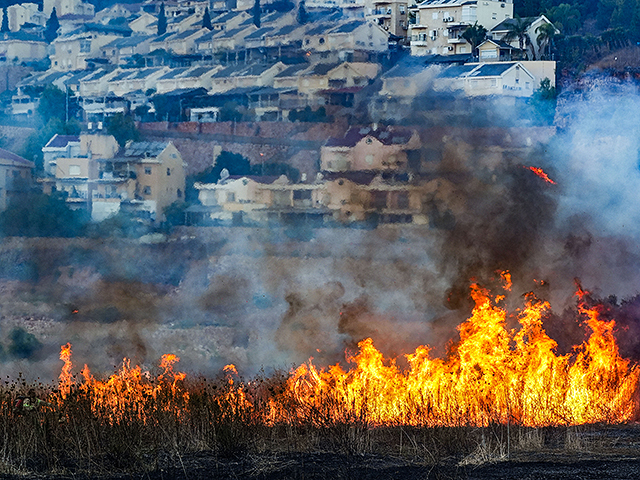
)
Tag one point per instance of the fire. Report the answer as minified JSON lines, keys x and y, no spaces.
{"x":492,"y":375}
{"x":541,"y":173}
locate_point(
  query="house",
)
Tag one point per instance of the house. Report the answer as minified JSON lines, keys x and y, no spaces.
{"x":126,"y":81}
{"x":117,"y":12}
{"x":531,"y":44}
{"x":59,"y":146}
{"x":20,"y":14}
{"x":143,"y":178}
{"x":245,"y":76}
{"x":362,"y":199}
{"x":141,"y":24}
{"x":22,"y":47}
{"x":121,"y":50}
{"x":347,"y":39}
{"x":185,"y":78}
{"x":439,"y":24}
{"x":66,"y":7}
{"x":374,"y":149}
{"x":261,"y":199}
{"x":508,"y":79}
{"x":223,"y":41}
{"x":24,"y":105}
{"x":72,"y":51}
{"x":497,"y":51}
{"x":15,"y":177}
{"x":391,"y":15}
{"x":401,"y":84}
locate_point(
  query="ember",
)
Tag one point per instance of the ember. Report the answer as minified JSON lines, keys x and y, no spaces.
{"x":541,"y":173}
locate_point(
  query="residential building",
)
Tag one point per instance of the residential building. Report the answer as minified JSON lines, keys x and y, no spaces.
{"x":15,"y":177}
{"x":22,"y":47}
{"x":143,"y":178}
{"x":391,"y":15}
{"x":122,"y":50}
{"x":348,"y":41}
{"x":439,"y":24}
{"x":72,"y":51}
{"x":531,"y":45}
{"x":185,"y":78}
{"x":374,"y":149}
{"x":507,"y":79}
{"x":66,"y":7}
{"x":125,"y":81}
{"x":20,"y":14}
{"x":59,"y":146}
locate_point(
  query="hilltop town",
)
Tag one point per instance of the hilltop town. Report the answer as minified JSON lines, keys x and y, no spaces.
{"x":242,"y":112}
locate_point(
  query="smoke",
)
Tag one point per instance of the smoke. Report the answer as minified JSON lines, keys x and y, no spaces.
{"x":273,"y":297}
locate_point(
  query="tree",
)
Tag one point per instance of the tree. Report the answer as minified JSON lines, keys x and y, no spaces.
{"x":5,"y":21}
{"x":546,"y":33}
{"x":566,"y":18}
{"x":302,"y":16}
{"x":51,"y":30}
{"x":475,"y":35}
{"x":123,"y":128}
{"x":40,"y":215}
{"x":162,"y":21}
{"x":53,"y":104}
{"x":206,"y":19}
{"x":256,"y":11}
{"x":518,"y":29}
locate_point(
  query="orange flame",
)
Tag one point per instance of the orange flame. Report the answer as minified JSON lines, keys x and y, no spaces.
{"x":541,"y":173}
{"x":66,"y":378}
{"x":492,"y":375}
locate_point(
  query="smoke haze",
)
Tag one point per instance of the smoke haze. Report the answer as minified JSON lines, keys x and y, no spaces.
{"x":267,"y":298}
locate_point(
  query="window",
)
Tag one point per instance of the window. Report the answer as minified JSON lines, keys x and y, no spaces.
{"x":147,"y":190}
{"x":321,"y":41}
{"x":402,"y":9}
{"x":179,"y":193}
{"x":147,"y":170}
{"x":74,"y":170}
{"x":85,"y":46}
{"x":369,"y":159}
{"x":168,"y":172}
{"x":231,"y":197}
{"x":434,"y":15}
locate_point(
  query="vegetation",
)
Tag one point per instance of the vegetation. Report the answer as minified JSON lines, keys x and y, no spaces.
{"x":5,"y":21}
{"x":256,"y":11}
{"x":51,"y":29}
{"x":40,"y":215}
{"x":206,"y":19}
{"x":302,"y":16}
{"x":123,"y":128}
{"x":162,"y":21}
{"x":475,"y":35}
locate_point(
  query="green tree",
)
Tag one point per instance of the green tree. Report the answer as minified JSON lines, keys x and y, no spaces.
{"x":41,"y":215}
{"x":5,"y":21}
{"x":256,"y":12}
{"x":53,"y":104}
{"x":302,"y":16}
{"x":206,"y":19}
{"x":475,"y":35}
{"x":32,"y":148}
{"x":546,"y":34}
{"x":518,"y":30}
{"x":566,"y":18}
{"x":234,"y":163}
{"x":162,"y":21}
{"x":123,"y":128}
{"x":51,"y":29}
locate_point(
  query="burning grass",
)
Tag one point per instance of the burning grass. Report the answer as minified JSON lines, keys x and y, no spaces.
{"x":498,"y":391}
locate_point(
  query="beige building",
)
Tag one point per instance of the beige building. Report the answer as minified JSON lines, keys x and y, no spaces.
{"x":70,"y":52}
{"x":143,"y":178}
{"x":22,"y":46}
{"x":15,"y":177}
{"x":505,"y":79}
{"x":439,"y":24}
{"x":391,"y":15}
{"x":346,"y":38}
{"x":68,"y":7}
{"x":377,"y":149}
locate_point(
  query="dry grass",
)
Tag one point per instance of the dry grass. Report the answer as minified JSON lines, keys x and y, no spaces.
{"x":75,"y":437}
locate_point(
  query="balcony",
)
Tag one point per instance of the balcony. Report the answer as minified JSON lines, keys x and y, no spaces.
{"x":456,"y":40}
